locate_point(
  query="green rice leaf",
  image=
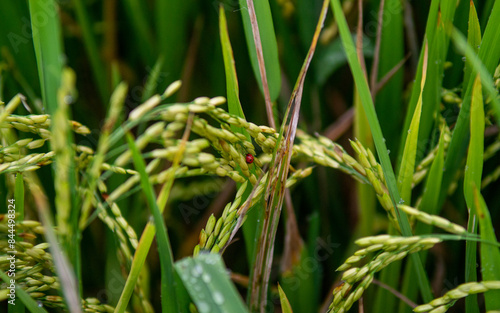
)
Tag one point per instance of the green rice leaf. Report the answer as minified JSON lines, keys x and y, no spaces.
{"x":285,"y":304}
{"x":489,"y":54}
{"x":269,"y":46}
{"x":367,"y":101}
{"x":437,"y":36}
{"x":378,"y":137}
{"x":275,"y":184}
{"x":474,"y":167}
{"x":428,"y":204}
{"x":478,"y":67}
{"x":405,"y":177}
{"x":208,"y":284}
{"x":473,"y":39}
{"x":168,"y":291}
{"x":48,"y":50}
{"x":388,"y":100}
{"x":472,"y":179}
{"x":232,"y":89}
{"x":490,"y":256}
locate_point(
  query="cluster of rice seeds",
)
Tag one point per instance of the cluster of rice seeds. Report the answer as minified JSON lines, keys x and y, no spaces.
{"x":38,"y":124}
{"x":125,"y":255}
{"x":321,"y":151}
{"x":442,"y":304}
{"x":125,"y":235}
{"x":94,"y":305}
{"x":216,"y":233}
{"x":357,"y":279}
{"x":434,"y":220}
{"x":33,"y":265}
{"x":373,"y":172}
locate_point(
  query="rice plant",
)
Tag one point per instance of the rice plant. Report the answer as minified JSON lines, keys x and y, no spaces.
{"x":249,"y":156}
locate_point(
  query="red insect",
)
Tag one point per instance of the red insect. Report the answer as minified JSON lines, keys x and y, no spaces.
{"x":249,"y":158}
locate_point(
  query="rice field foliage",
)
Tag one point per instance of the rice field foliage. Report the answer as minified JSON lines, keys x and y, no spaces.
{"x":249,"y":156}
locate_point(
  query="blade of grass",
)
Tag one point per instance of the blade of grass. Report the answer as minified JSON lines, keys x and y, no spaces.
{"x":428,"y":204}
{"x":388,"y":100}
{"x":275,"y":185}
{"x":232,"y":89}
{"x":407,"y":168}
{"x":490,"y":256}
{"x":13,"y":15}
{"x":365,"y":194}
{"x":478,"y":67}
{"x":55,"y":91}
{"x":489,"y":54}
{"x":234,"y":106}
{"x":168,"y":297}
{"x":437,"y":28}
{"x":285,"y":304}
{"x":208,"y":283}
{"x":473,"y":39}
{"x":90,"y":43}
{"x":472,"y":178}
{"x":48,"y":50}
{"x":391,"y":276}
{"x":262,"y":48}
{"x":366,"y":100}
{"x":149,"y":233}
{"x":367,"y":103}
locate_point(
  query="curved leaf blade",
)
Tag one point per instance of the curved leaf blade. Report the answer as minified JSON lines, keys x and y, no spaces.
{"x":208,"y":284}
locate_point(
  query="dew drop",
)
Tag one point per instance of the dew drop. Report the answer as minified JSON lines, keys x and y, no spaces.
{"x":388,"y":151}
{"x":401,"y":201}
{"x":464,"y":59}
{"x":218,"y":298}
{"x":40,"y":304}
{"x":203,"y":307}
{"x":197,"y":271}
{"x":206,"y":278}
